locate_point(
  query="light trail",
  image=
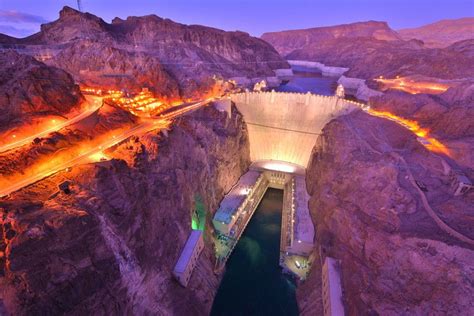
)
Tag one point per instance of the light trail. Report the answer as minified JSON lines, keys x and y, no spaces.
{"x":91,"y":155}
{"x":412,"y":86}
{"x":423,"y":134}
{"x":96,"y":104}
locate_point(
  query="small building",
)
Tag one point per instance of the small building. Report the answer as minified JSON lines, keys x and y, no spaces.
{"x":340,"y":91}
{"x":233,"y":204}
{"x":332,"y":288}
{"x":188,"y":258}
{"x":460,"y":184}
{"x":302,"y":242}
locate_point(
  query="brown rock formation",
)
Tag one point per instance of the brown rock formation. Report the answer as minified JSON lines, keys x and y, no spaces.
{"x":29,"y":88}
{"x":442,"y":33}
{"x":449,"y":116}
{"x":288,"y":41}
{"x":107,"y":241}
{"x":395,"y":258}
{"x":159,"y":52}
{"x":372,"y":49}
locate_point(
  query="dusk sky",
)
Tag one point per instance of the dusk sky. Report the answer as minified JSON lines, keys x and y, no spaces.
{"x":23,"y":17}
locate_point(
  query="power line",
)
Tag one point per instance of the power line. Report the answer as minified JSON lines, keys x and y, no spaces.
{"x":283,"y":129}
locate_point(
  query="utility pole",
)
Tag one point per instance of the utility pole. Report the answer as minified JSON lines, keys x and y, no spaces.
{"x":79,"y":5}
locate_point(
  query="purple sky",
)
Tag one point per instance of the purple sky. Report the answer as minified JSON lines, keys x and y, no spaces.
{"x":23,"y":17}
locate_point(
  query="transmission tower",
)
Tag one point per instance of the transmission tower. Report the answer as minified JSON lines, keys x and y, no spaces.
{"x":79,"y":5}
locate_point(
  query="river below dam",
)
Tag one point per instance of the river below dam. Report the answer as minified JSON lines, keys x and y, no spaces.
{"x":253,"y":283}
{"x":309,"y":79}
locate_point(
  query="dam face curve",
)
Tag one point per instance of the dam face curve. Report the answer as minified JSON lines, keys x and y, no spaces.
{"x":284,"y":126}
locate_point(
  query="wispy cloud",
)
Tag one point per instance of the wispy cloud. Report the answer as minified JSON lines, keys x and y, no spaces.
{"x":11,"y":16}
{"x":14,"y":31}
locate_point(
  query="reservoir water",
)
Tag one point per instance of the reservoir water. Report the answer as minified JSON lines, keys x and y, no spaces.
{"x":309,"y":79}
{"x":253,"y":283}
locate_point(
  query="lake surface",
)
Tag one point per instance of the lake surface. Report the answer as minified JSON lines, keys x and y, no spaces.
{"x":253,"y":283}
{"x":309,"y":79}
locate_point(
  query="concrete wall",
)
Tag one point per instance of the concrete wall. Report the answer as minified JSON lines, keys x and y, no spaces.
{"x":358,"y":88}
{"x":325,"y":70}
{"x":284,"y":126}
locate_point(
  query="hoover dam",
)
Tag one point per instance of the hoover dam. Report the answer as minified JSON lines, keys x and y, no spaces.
{"x":284,"y":126}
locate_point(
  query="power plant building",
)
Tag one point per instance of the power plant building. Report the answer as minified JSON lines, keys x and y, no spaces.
{"x":188,"y":258}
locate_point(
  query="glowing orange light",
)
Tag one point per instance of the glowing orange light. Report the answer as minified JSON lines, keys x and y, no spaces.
{"x":429,"y":142}
{"x":411,"y":86}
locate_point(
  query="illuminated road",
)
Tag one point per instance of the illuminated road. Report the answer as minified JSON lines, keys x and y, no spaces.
{"x":413,"y":87}
{"x":85,"y":157}
{"x":96,"y":104}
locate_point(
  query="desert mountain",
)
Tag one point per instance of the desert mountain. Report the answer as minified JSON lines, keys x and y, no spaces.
{"x":372,"y":49}
{"x":169,"y":56}
{"x":30,"y":88}
{"x":287,"y":41}
{"x":442,"y":33}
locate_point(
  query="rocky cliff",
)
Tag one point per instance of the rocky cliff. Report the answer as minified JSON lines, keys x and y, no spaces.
{"x":164,"y":55}
{"x":448,"y":116}
{"x":442,"y":33}
{"x":372,"y":49}
{"x":288,"y":41}
{"x":103,"y":238}
{"x":370,"y":213}
{"x":29,"y":88}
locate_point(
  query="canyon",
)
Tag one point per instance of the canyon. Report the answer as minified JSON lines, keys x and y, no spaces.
{"x":103,"y":236}
{"x":373,"y":43}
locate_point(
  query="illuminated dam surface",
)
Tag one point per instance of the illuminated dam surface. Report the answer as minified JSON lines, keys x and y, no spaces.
{"x":253,"y":283}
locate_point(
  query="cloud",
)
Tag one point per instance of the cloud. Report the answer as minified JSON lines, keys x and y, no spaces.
{"x":15,"y":32}
{"x":11,"y":16}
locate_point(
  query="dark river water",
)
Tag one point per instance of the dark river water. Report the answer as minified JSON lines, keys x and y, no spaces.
{"x":253,"y":283}
{"x":307,"y":79}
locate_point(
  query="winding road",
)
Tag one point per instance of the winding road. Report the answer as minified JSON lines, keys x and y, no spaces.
{"x":94,"y":101}
{"x":85,"y":157}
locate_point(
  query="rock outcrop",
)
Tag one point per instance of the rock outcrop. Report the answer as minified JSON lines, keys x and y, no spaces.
{"x":372,"y":49}
{"x":128,"y":53}
{"x":448,"y":116}
{"x":368,"y":213}
{"x":104,"y":238}
{"x":442,"y":33}
{"x":288,"y":41}
{"x":29,"y":88}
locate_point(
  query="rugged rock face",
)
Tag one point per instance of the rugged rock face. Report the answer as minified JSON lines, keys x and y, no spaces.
{"x":129,"y":53}
{"x":369,"y":54}
{"x":104,"y":238}
{"x":442,"y":33}
{"x":65,"y":143}
{"x":97,"y":64}
{"x":288,"y":41}
{"x":369,"y":214}
{"x":449,"y":116}
{"x":29,"y":88}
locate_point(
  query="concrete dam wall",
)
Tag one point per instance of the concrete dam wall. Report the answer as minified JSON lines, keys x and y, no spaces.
{"x":284,"y":126}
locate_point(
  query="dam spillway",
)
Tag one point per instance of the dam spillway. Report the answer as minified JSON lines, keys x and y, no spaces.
{"x":284,"y":126}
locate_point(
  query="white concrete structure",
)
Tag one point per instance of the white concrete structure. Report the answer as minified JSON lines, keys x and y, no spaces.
{"x":325,"y":70}
{"x":358,"y":88}
{"x":460,"y":184}
{"x":260,"y":86}
{"x":284,"y":126}
{"x":332,"y":288}
{"x":302,"y":242}
{"x":236,"y":202}
{"x":188,"y":258}
{"x":340,"y":93}
{"x":284,"y":72}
